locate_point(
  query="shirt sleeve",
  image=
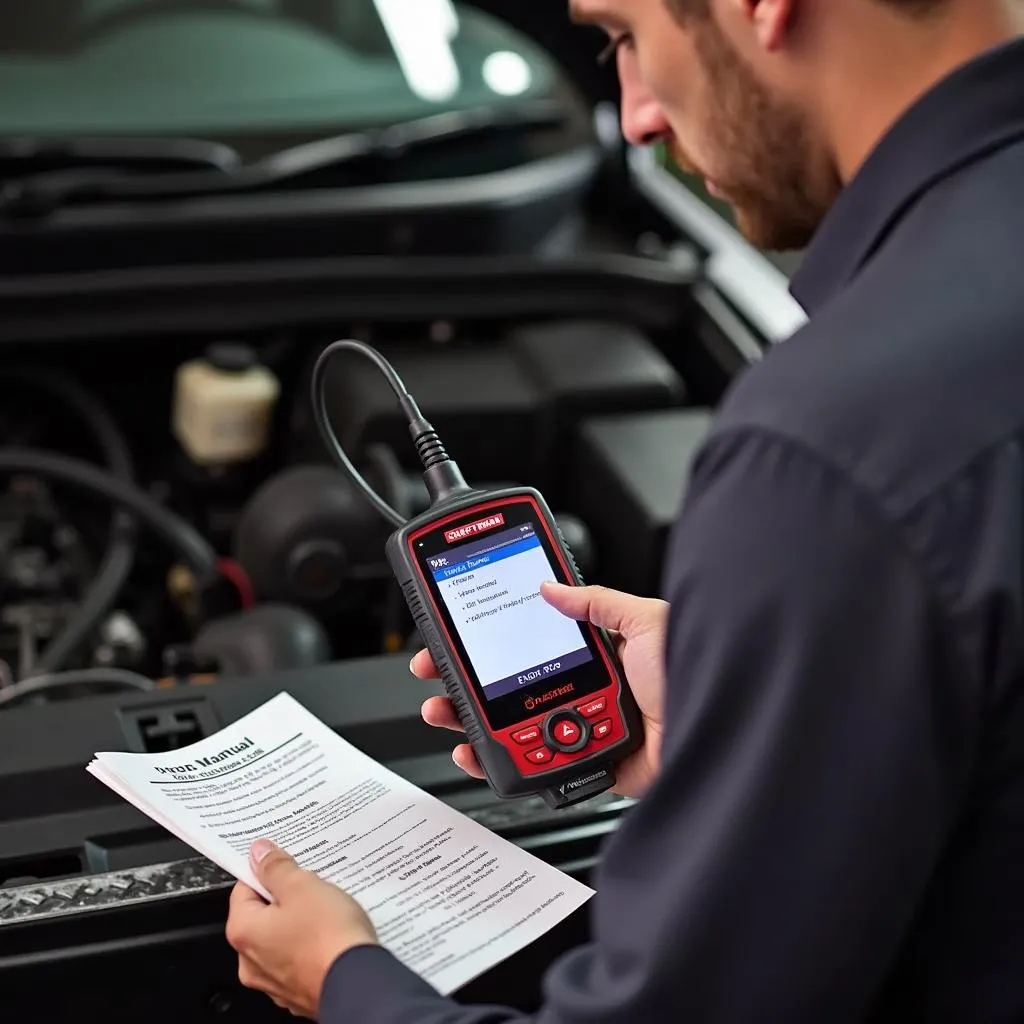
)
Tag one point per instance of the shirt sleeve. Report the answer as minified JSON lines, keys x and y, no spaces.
{"x":817,"y":745}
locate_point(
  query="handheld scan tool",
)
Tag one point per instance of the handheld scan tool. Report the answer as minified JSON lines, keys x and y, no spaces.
{"x":542,"y":698}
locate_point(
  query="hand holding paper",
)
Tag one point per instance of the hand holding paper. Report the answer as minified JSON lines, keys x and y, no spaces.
{"x":286,"y":948}
{"x":446,"y":896}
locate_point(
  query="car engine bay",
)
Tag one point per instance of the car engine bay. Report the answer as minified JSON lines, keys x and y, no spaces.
{"x":221,"y":435}
{"x":111,"y":638}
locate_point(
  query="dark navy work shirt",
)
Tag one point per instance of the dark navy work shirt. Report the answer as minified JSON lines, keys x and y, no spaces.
{"x":837,"y":832}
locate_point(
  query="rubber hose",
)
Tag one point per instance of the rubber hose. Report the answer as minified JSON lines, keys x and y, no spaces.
{"x":119,"y":557}
{"x":190,"y":545}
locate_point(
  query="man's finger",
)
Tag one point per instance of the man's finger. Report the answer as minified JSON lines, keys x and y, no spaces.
{"x":242,"y":896}
{"x":464,"y":757}
{"x":243,"y":906}
{"x":251,"y":975}
{"x":606,"y":609}
{"x":438,"y":712}
{"x":422,"y":665}
{"x":274,"y":867}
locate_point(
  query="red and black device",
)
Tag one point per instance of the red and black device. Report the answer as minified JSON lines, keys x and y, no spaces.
{"x":542,"y":698}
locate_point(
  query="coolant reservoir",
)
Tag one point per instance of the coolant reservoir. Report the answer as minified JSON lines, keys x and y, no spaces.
{"x":223,"y":404}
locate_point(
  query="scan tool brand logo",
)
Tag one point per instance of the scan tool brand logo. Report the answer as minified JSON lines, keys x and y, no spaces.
{"x":472,"y":529}
{"x":569,"y":787}
{"x":545,"y":698}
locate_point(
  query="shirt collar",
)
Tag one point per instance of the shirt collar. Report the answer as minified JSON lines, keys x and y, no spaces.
{"x":975,"y":110}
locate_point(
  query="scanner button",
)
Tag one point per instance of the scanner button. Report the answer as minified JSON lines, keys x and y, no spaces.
{"x":539,"y":756}
{"x":595,"y":707}
{"x":602,"y":729}
{"x":524,"y":736}
{"x":566,"y":732}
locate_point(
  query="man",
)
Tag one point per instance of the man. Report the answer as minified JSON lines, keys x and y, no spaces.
{"x":832,"y":826}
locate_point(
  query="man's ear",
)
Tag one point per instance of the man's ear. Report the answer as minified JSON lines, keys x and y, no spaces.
{"x":772,"y":20}
{"x":768,"y":20}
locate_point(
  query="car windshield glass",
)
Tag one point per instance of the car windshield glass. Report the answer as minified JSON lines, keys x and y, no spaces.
{"x":247,"y":69}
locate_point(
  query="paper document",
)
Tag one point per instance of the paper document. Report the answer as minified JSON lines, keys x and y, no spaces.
{"x":447,"y":896}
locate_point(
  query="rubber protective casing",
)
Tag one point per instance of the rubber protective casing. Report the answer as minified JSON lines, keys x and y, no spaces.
{"x":499,"y":756}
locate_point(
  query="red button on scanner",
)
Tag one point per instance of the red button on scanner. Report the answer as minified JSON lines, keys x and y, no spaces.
{"x":602,"y":729}
{"x":566,"y":732}
{"x":539,"y":756}
{"x":595,"y":707}
{"x":530,"y":735}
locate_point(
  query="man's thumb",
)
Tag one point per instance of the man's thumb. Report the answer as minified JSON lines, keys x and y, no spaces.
{"x":272,"y":865}
{"x":606,"y":609}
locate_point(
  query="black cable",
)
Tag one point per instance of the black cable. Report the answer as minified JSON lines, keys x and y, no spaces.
{"x":94,"y":678}
{"x":119,"y":556}
{"x":440,"y":472}
{"x":181,"y":535}
{"x":323,"y":422}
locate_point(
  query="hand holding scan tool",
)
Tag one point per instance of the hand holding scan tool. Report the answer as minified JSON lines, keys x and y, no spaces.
{"x":638,"y":627}
{"x":542,"y":698}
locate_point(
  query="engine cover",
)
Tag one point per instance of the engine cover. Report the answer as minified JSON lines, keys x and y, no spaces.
{"x":503,"y":409}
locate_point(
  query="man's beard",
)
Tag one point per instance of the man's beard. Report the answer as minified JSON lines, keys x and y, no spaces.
{"x":778,"y":188}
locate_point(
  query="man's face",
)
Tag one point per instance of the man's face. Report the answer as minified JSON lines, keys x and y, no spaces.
{"x":685,"y":82}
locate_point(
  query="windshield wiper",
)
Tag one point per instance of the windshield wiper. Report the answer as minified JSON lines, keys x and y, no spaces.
{"x":37,"y":195}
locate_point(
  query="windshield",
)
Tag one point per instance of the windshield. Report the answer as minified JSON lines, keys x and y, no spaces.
{"x":246,"y":68}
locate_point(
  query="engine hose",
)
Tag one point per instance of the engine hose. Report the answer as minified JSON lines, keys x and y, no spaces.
{"x":119,"y":557}
{"x":190,"y":545}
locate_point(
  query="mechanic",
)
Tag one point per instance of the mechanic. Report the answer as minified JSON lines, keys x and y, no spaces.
{"x":832,"y":825}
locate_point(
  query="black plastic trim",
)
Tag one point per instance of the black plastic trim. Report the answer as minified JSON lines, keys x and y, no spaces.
{"x":504,"y":211}
{"x":202,"y":299}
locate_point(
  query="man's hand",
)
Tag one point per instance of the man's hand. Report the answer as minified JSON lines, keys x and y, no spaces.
{"x":638,"y":626}
{"x":286,"y":948}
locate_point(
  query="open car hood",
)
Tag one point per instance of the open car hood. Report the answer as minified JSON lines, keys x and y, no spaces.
{"x":400,"y":213}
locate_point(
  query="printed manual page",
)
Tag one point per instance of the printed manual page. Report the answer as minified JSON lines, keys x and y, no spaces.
{"x":447,"y":896}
